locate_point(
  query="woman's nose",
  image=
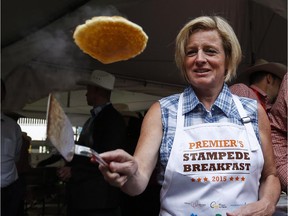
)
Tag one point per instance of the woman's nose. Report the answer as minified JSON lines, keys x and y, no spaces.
{"x":200,"y":57}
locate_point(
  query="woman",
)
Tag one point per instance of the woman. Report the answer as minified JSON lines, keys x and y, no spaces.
{"x":212,"y":163}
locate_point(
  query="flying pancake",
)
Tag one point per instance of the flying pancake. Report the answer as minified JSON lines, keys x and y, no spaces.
{"x":110,"y":39}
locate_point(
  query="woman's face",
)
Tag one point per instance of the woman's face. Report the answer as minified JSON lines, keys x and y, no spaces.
{"x":205,"y":60}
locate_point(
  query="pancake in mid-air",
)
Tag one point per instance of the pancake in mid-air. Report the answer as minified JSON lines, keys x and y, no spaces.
{"x":110,"y":39}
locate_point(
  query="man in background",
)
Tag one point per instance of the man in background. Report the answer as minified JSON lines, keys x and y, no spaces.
{"x":260,"y":82}
{"x":88,"y":194}
{"x":278,"y":119}
{"x":11,"y":141}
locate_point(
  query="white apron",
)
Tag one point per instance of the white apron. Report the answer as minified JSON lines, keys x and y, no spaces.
{"x":212,"y":169}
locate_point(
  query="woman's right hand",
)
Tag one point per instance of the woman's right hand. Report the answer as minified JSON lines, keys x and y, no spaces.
{"x":121,"y":167}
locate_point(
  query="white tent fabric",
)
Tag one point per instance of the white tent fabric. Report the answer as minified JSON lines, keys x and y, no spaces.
{"x":47,"y":60}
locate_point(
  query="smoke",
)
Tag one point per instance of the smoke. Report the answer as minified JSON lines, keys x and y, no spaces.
{"x":55,"y":41}
{"x":50,"y":55}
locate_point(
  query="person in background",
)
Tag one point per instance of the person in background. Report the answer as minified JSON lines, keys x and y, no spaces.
{"x":214,"y":159}
{"x":88,"y":194}
{"x":23,"y":167}
{"x":278,"y":120}
{"x":23,"y":164}
{"x":260,"y":82}
{"x":52,"y":159}
{"x":150,"y":196}
{"x":11,"y":142}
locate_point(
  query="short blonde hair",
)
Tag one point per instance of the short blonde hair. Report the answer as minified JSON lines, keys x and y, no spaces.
{"x":230,"y":42}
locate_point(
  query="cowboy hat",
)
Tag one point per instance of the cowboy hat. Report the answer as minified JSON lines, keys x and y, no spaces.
{"x":275,"y":68}
{"x":99,"y":78}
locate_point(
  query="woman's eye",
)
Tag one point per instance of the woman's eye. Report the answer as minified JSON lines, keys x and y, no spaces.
{"x":191,"y":52}
{"x":211,"y":51}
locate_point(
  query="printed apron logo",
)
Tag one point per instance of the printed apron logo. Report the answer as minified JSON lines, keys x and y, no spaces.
{"x":198,"y":157}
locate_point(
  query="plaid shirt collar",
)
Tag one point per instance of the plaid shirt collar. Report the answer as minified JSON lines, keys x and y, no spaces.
{"x":223,"y":101}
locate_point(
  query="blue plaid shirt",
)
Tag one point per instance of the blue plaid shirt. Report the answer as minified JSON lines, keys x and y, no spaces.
{"x":223,"y":110}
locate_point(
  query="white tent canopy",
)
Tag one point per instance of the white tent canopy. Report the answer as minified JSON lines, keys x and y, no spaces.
{"x":39,"y":55}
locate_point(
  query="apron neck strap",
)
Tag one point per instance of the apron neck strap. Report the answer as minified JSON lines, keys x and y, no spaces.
{"x":247,"y":123}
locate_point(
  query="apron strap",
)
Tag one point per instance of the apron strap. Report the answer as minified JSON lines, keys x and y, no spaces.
{"x":253,"y":141}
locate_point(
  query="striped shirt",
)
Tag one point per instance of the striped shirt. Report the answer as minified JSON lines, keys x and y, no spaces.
{"x":223,"y":110}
